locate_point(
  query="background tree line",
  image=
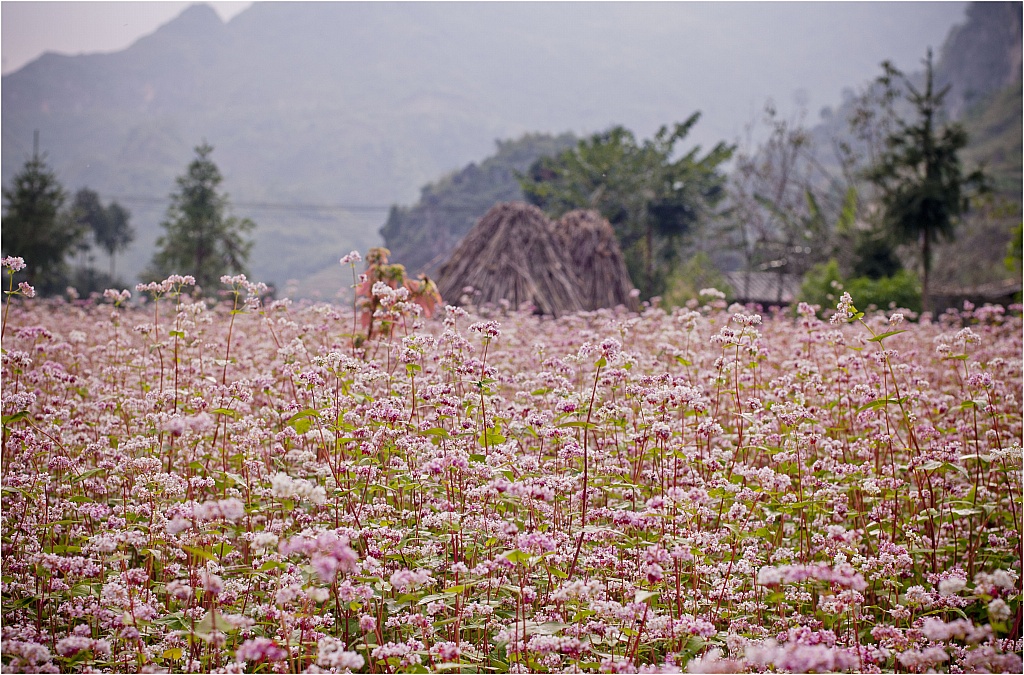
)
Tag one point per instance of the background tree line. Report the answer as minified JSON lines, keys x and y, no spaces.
{"x":872,"y":220}
{"x":874,"y":216}
{"x":56,"y":238}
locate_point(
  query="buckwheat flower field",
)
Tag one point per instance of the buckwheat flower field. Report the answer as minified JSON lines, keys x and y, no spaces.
{"x":247,"y":486}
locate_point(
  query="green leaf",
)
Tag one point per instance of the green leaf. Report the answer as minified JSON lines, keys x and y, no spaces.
{"x":7,"y":419}
{"x":578,"y":425}
{"x":517,"y":556}
{"x":199,"y":552}
{"x":492,"y":436}
{"x":879,"y":338}
{"x":881,"y":403}
{"x":86,"y":474}
{"x":308,"y":412}
{"x":848,"y":216}
{"x":213,"y":620}
{"x":228,"y":412}
{"x":301,"y":421}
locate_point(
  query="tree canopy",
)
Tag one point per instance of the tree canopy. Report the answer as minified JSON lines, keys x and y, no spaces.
{"x":200,"y":238}
{"x":651,"y":194}
{"x":109,"y":224}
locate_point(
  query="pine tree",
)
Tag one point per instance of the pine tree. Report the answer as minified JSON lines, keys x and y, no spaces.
{"x":924,"y":191}
{"x":200,"y":238}
{"x":34,"y":226}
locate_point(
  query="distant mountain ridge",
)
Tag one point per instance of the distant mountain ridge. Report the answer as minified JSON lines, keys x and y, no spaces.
{"x":345,"y":105}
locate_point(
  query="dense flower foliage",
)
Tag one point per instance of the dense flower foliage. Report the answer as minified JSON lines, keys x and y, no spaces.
{"x":242,"y":486}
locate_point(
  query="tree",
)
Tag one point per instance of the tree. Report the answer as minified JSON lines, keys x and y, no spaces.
{"x":109,"y":224}
{"x":923,"y":189}
{"x":200,"y":238}
{"x":34,"y":226}
{"x":650,"y":195}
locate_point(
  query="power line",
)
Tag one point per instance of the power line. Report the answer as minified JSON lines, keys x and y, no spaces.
{"x":295,"y":206}
{"x":264,"y":206}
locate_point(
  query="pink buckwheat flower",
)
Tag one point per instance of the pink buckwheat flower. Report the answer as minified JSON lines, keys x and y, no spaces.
{"x":14,"y":264}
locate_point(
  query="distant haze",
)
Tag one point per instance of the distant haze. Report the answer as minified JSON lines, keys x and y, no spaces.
{"x":323,"y":114}
{"x":799,"y":41}
{"x":31,"y":28}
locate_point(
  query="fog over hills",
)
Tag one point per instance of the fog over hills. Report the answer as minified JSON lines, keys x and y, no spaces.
{"x":323,"y":114}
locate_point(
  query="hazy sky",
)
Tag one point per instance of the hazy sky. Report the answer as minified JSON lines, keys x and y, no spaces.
{"x":31,"y":28}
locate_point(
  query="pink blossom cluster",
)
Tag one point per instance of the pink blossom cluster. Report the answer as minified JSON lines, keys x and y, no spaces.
{"x":197,"y":485}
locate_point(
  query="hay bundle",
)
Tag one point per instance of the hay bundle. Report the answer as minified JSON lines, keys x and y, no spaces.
{"x":589,"y":240}
{"x":511,"y":254}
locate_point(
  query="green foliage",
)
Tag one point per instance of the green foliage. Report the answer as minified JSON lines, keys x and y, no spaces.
{"x":109,"y":224}
{"x":34,"y":226}
{"x":650,"y":194}
{"x":201,"y":239}
{"x":687,"y":281}
{"x":902,"y":289}
{"x":874,"y":256}
{"x":924,"y":191}
{"x":1015,"y":250}
{"x":421,"y":237}
{"x":823,"y":285}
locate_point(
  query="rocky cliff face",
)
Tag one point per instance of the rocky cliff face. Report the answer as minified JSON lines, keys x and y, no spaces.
{"x":982,"y":56}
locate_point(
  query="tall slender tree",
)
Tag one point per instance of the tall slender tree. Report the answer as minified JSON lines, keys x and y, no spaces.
{"x":924,"y":191}
{"x":200,"y":237}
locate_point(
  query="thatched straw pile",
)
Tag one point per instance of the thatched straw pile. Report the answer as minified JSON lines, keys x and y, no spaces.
{"x":589,"y":239}
{"x":511,"y":255}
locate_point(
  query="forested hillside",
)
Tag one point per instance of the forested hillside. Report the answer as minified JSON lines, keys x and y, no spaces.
{"x":423,"y":235}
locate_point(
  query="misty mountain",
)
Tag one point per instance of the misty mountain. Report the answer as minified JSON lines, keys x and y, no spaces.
{"x":322,"y":115}
{"x":979,"y":63}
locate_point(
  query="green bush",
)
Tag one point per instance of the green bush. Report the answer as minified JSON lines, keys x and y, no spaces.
{"x":823,"y":285}
{"x":687,"y":281}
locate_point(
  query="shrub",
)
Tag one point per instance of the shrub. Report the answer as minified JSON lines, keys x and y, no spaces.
{"x":823,"y":285}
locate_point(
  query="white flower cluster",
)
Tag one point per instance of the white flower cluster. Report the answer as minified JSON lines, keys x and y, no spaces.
{"x":283,"y":486}
{"x":331,"y":654}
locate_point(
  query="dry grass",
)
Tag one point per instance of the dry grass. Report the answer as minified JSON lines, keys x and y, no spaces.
{"x":597,"y":258}
{"x":515,"y":253}
{"x":512,"y":255}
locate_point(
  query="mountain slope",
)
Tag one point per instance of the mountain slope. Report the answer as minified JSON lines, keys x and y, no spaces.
{"x":354,"y":104}
{"x":422,"y":237}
